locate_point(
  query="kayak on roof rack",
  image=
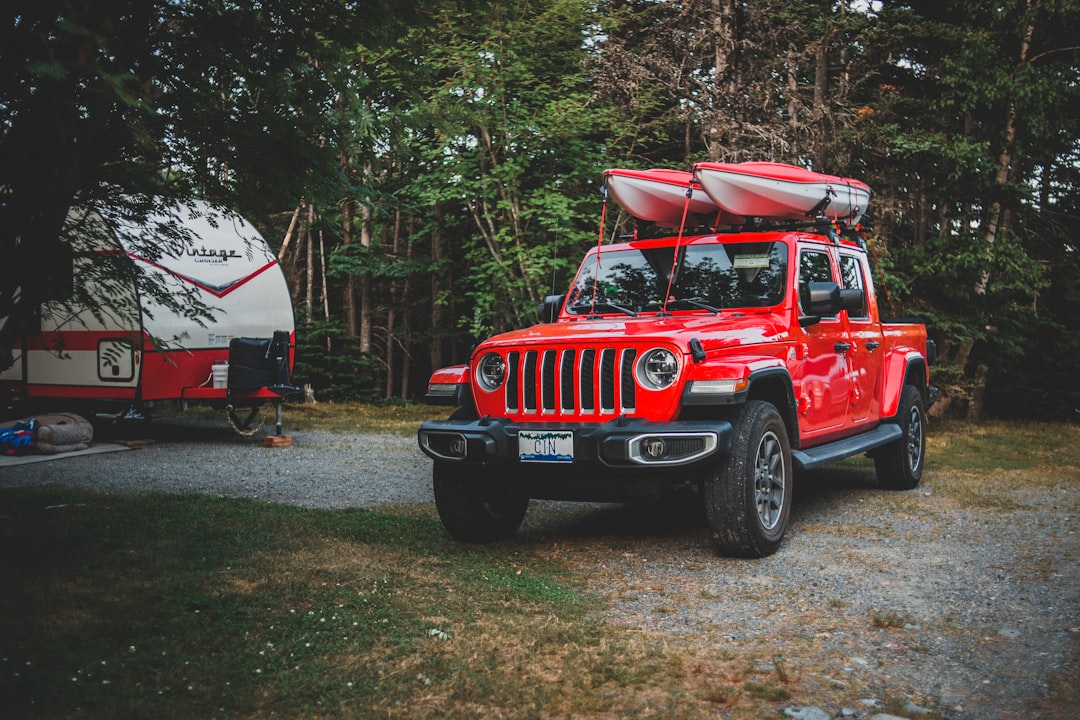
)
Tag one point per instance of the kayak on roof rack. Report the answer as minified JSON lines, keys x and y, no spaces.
{"x":777,"y":190}
{"x":659,"y":196}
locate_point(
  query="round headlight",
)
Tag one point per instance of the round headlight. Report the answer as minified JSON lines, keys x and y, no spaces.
{"x":658,"y":369}
{"x":491,"y":372}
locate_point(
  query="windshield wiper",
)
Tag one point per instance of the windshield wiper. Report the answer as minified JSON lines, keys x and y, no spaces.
{"x":603,"y":303}
{"x":694,"y":303}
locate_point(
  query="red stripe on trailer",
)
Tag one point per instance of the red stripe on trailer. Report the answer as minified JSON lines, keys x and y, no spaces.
{"x":80,"y":392}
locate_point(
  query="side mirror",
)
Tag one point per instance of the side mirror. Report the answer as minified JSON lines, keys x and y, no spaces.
{"x":548,"y":310}
{"x":820,"y":299}
{"x":853,"y":300}
{"x":824,"y":299}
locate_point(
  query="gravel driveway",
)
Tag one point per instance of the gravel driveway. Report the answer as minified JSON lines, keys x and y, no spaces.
{"x":875,"y":596}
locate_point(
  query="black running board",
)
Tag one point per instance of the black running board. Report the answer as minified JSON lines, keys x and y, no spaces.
{"x":831,"y":452}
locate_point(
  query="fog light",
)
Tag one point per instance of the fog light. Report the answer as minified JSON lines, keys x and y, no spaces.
{"x":654,"y":448}
{"x":445,"y":445}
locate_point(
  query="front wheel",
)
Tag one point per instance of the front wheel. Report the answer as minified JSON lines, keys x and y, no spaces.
{"x":899,"y":464}
{"x":473,"y":507}
{"x":748,"y":494}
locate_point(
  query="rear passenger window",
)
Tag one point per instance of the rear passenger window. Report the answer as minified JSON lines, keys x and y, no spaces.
{"x":851,"y":277}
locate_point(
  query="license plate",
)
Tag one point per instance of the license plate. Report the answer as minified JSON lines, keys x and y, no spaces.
{"x":550,"y":446}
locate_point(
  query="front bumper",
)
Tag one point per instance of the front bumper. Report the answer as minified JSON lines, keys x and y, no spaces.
{"x":622,"y":443}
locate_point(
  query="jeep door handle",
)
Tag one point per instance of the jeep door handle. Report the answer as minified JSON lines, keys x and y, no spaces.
{"x":842,"y":347}
{"x":873,"y":345}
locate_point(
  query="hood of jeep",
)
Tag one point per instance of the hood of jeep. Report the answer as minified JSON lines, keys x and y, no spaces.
{"x":715,"y":332}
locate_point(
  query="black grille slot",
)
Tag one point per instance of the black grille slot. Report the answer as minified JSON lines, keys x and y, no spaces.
{"x":513,"y":361}
{"x":585,"y":375}
{"x":566,"y":381}
{"x":607,"y":380}
{"x":547,"y":382}
{"x":528,"y":382}
{"x":629,"y":399}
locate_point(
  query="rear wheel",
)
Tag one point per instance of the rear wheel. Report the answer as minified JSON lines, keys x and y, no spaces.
{"x":474,"y":507}
{"x":900,"y":464}
{"x":748,"y":494}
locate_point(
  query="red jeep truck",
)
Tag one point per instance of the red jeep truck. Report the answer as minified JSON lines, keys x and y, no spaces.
{"x":723,"y":362}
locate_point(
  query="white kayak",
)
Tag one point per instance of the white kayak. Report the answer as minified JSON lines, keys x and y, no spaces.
{"x":660,"y":196}
{"x":776,"y":190}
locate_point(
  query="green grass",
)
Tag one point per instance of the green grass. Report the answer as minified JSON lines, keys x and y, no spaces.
{"x":152,"y":605}
{"x":1002,"y":446}
{"x":358,"y":417}
{"x":164,"y":606}
{"x":400,"y":419}
{"x":995,"y":466}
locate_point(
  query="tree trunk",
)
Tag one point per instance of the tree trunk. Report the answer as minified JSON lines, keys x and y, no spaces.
{"x":725,"y":59}
{"x":923,"y":228}
{"x":724,"y":48}
{"x":1001,"y":176}
{"x":406,"y":319}
{"x":325,"y":293}
{"x":322,"y":278}
{"x":365,"y":283}
{"x":821,"y":93}
{"x":289,"y":263}
{"x":289,"y":233}
{"x":793,"y":101}
{"x":978,"y":394}
{"x":512,"y":202}
{"x":309,"y":295}
{"x":349,"y":291}
{"x":391,"y":315}
{"x":437,"y":318}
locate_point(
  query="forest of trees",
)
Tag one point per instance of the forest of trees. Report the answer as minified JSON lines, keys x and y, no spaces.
{"x":428,"y":171}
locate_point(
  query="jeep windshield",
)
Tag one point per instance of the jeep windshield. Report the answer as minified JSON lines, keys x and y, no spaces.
{"x":708,"y":276}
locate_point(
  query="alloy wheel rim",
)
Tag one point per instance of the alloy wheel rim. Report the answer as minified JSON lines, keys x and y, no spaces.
{"x":769,"y":480}
{"x":915,"y":440}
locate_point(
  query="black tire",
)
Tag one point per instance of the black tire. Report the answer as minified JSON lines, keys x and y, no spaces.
{"x":473,"y":507}
{"x":748,"y":494}
{"x":899,"y":464}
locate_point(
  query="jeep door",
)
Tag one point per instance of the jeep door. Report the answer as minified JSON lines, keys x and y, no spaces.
{"x":866,"y":353}
{"x":823,"y":385}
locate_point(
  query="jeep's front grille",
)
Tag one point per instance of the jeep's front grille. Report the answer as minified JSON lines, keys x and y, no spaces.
{"x":571,"y":381}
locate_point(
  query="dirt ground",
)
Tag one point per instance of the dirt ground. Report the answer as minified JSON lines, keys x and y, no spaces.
{"x":876,"y":599}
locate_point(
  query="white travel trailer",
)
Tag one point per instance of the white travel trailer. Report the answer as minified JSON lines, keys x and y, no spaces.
{"x":131,"y":349}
